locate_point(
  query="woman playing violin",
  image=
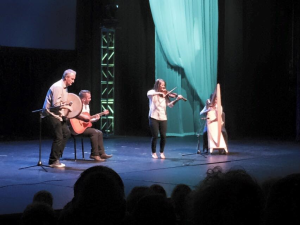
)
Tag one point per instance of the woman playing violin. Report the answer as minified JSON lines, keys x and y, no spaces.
{"x":158,"y":100}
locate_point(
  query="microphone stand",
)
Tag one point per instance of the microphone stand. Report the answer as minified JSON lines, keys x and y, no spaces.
{"x":40,"y":135}
{"x":198,"y":149}
{"x":198,"y":146}
{"x":40,"y":143}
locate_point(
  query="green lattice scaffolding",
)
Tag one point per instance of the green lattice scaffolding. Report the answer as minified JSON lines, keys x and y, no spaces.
{"x":107,"y":79}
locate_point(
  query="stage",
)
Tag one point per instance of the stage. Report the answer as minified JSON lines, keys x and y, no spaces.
{"x":263,"y":159}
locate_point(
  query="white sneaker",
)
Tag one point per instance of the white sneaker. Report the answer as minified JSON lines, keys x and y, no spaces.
{"x":154,"y":155}
{"x":57,"y":164}
{"x":162,"y":156}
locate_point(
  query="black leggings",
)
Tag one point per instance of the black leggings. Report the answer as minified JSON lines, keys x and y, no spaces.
{"x":155,"y":126}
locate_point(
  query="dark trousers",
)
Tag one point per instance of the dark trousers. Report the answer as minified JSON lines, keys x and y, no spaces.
{"x":155,"y":127}
{"x":96,"y":138}
{"x":225,"y":135}
{"x":205,"y":142}
{"x":61,"y":134}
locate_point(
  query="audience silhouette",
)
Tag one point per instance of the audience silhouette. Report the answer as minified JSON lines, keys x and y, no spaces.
{"x":283,"y":201}
{"x":38,"y":213}
{"x":179,"y":200}
{"x":154,"y":209}
{"x":158,"y":189}
{"x":232,"y":197}
{"x":99,"y":198}
{"x":135,"y":195}
{"x":43,"y":196}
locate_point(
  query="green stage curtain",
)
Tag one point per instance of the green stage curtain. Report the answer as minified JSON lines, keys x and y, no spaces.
{"x":186,"y":52}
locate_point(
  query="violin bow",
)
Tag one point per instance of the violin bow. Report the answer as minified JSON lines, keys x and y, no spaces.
{"x":171,"y":91}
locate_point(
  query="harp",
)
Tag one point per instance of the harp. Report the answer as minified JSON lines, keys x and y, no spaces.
{"x":215,"y":122}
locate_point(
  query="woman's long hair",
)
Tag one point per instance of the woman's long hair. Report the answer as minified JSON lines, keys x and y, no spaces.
{"x":157,"y":84}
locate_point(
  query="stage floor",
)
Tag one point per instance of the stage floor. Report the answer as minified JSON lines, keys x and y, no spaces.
{"x":263,"y":159}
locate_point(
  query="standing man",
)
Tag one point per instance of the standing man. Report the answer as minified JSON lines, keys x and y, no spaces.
{"x":96,"y":136}
{"x":55,"y":112}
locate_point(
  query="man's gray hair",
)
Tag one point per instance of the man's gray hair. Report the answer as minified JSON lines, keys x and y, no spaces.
{"x":68,"y":71}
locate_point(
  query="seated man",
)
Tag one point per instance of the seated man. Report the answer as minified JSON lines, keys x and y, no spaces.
{"x":96,"y":136}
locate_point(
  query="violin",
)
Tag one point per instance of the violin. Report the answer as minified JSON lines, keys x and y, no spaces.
{"x":172,"y":94}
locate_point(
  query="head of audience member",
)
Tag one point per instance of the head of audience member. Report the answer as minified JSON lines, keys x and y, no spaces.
{"x":179,"y":197}
{"x":43,"y":196}
{"x":98,"y":169}
{"x":98,"y":196}
{"x":158,"y":189}
{"x":135,"y":195}
{"x":38,"y":213}
{"x":154,"y":209}
{"x":267,"y":184}
{"x":283,"y":201}
{"x":231,"y":198}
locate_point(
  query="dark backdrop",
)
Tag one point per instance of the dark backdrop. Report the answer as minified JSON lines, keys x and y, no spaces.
{"x":25,"y":77}
{"x":257,"y":69}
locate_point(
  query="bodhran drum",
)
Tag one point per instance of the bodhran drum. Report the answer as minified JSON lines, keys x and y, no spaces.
{"x":76,"y":105}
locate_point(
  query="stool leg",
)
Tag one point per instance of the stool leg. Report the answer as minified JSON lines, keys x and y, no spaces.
{"x":82,"y":147}
{"x":75,"y":148}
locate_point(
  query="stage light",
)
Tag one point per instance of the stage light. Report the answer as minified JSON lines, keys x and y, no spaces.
{"x":109,"y":15}
{"x":110,"y":11}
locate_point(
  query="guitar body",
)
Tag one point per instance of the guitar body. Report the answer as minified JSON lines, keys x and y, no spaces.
{"x":79,"y":126}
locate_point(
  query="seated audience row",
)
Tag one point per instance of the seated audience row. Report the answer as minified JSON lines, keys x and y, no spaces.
{"x":232,"y":197}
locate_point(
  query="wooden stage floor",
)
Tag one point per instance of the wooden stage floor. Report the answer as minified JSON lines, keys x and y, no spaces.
{"x":263,"y":159}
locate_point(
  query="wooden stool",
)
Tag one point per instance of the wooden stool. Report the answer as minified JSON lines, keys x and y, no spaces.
{"x":82,"y":146}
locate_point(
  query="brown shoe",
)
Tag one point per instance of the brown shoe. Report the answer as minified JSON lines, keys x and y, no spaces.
{"x":105,"y":156}
{"x":97,"y":158}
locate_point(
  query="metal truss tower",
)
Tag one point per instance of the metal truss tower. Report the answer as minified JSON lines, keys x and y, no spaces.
{"x":107,"y":79}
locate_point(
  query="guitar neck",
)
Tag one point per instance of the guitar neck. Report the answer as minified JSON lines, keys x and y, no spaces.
{"x":100,"y":114}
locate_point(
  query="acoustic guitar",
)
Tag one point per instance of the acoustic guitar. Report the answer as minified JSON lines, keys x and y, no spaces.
{"x":78,"y":126}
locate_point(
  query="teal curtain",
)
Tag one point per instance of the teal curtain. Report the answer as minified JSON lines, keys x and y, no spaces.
{"x":186,"y":52}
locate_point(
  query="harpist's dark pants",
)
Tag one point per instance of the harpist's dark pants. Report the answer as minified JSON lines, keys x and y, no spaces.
{"x":61,"y":134}
{"x":155,"y":127}
{"x":205,"y":142}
